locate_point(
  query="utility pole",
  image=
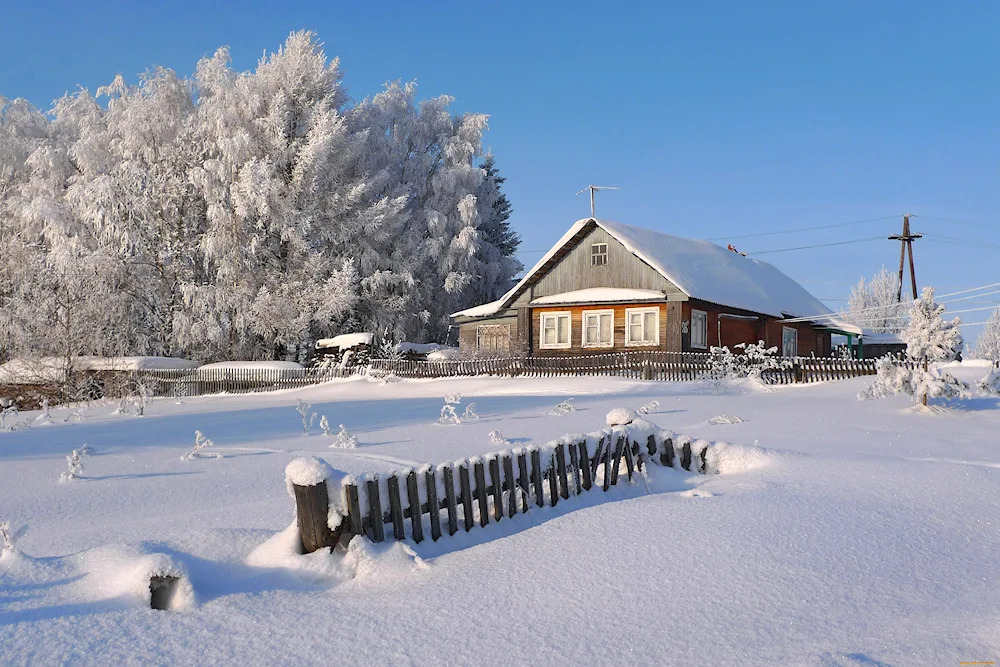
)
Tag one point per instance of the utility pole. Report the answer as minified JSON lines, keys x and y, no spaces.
{"x":593,"y":189}
{"x":906,"y":240}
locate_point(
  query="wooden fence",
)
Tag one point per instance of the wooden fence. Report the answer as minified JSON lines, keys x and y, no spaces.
{"x":659,"y":366}
{"x":417,"y":503}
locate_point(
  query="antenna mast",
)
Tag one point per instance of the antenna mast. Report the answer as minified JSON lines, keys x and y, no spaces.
{"x":593,"y":189}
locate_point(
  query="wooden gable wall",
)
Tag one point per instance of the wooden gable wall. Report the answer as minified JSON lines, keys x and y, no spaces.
{"x":574,"y":271}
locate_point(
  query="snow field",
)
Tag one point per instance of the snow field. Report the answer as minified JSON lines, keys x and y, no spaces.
{"x":854,"y":533}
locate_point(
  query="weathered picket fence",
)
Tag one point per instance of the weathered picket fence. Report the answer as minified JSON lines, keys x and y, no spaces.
{"x":659,"y":366}
{"x":443,"y":500}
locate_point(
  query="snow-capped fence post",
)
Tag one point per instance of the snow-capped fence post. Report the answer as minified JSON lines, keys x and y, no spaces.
{"x":307,"y":479}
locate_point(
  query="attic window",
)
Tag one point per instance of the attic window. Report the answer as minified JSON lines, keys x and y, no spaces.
{"x":599,"y":254}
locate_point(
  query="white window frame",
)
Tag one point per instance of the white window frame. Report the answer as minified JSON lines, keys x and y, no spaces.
{"x":595,"y":253}
{"x":554,"y":315}
{"x":598,"y":313}
{"x":704,"y":316}
{"x":795,"y":337}
{"x":628,"y":329}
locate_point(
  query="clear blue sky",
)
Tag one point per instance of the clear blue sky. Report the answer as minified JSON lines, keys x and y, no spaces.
{"x":715,"y":119}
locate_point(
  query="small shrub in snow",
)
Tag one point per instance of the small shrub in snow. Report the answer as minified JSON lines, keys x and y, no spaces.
{"x":757,"y":358}
{"x":307,"y":417}
{"x":74,"y":465}
{"x":345,"y":439}
{"x":325,"y":425}
{"x":201,"y":443}
{"x":8,"y":539}
{"x":649,"y":408}
{"x":496,"y":437}
{"x":9,"y":421}
{"x":470,"y":412}
{"x":721,"y":368}
{"x":563,"y":408}
{"x":726,"y":419}
{"x":448,"y":414}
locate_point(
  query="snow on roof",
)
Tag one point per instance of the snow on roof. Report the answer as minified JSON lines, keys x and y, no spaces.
{"x":700,"y":269}
{"x":345,"y":341}
{"x":882,"y":338}
{"x":600,"y":295}
{"x":52,"y":369}
{"x":252,"y":365}
{"x":490,"y":308}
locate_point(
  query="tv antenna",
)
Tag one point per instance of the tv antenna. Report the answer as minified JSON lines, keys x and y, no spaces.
{"x":593,"y":189}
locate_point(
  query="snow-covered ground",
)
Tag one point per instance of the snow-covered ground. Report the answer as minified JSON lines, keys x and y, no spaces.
{"x":858,"y":533}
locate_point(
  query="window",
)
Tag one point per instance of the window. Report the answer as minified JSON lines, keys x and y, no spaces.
{"x":789,"y":342}
{"x":699,"y":329}
{"x":642,"y":326}
{"x":598,"y":328}
{"x":599,"y":254}
{"x":555,"y":330}
{"x":493,"y":338}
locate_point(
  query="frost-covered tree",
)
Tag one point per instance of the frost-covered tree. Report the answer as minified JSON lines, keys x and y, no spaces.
{"x":930,"y":340}
{"x":988,"y":343}
{"x":242,"y":214}
{"x":874,"y":306}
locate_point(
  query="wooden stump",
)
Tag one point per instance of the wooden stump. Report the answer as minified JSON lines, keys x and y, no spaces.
{"x":312,"y":505}
{"x":161,"y":590}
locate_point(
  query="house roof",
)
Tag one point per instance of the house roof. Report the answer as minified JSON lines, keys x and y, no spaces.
{"x":700,"y":269}
{"x":600,"y":295}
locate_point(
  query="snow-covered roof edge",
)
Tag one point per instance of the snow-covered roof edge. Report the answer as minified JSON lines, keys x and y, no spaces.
{"x":623,"y":234}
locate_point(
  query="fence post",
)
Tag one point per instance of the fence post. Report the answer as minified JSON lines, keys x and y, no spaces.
{"x":312,"y":506}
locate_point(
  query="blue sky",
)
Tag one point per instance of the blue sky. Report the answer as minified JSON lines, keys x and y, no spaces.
{"x":715,"y":119}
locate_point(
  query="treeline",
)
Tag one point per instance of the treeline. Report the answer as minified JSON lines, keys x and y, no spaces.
{"x":243,"y":215}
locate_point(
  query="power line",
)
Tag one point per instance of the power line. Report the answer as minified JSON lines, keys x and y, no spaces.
{"x":800,"y":229}
{"x":962,"y":242}
{"x":960,"y":222}
{"x":818,"y":245}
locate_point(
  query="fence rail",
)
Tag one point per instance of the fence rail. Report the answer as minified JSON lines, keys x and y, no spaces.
{"x":657,"y":366}
{"x":417,"y":503}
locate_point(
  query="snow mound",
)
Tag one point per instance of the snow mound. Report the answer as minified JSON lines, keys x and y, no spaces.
{"x":118,"y":572}
{"x":381,"y":562}
{"x":345,"y":341}
{"x":284,"y":551}
{"x":726,"y":419}
{"x":307,"y":471}
{"x":620,"y":417}
{"x":726,"y":459}
{"x":252,"y":366}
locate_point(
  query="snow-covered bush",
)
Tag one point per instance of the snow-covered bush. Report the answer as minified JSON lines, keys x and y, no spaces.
{"x":930,"y":340}
{"x":563,"y":408}
{"x":755,"y":360}
{"x":448,"y":414}
{"x":726,"y":419}
{"x":721,"y":368}
{"x":345,"y":439}
{"x":496,"y":437}
{"x":988,"y":343}
{"x":308,"y":417}
{"x":201,"y":443}
{"x":74,"y":465}
{"x":470,"y":412}
{"x":649,"y":408}
{"x":6,"y":537}
{"x":990,"y":383}
{"x":324,"y":425}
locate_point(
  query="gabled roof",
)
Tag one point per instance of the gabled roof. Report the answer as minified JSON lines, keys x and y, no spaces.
{"x":700,"y":269}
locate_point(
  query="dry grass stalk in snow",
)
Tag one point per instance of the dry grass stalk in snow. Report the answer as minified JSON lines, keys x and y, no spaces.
{"x":201,"y":443}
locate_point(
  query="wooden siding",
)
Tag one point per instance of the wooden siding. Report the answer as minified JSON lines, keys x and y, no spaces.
{"x":766,"y":328}
{"x":624,"y":270}
{"x":576,"y":329}
{"x":468,"y":332}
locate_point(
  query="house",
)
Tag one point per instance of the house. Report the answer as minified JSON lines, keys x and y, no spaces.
{"x":609,"y":287}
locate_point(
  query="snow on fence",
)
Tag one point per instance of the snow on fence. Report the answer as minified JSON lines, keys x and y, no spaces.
{"x":661,"y":366}
{"x":443,"y":500}
{"x":649,"y":365}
